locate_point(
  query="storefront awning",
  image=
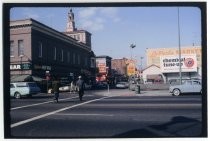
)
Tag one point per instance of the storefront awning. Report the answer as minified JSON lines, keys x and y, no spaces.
{"x":20,"y":78}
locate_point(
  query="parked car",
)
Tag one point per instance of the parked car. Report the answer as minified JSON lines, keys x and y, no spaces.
{"x":122,"y":85}
{"x":100,"y":85}
{"x":64,"y":88}
{"x":188,"y":86}
{"x":20,"y":89}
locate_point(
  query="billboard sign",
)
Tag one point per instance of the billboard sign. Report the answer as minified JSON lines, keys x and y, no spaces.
{"x":131,"y":67}
{"x":101,"y":64}
{"x":169,"y":64}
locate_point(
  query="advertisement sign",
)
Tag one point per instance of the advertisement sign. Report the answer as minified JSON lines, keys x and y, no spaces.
{"x":170,"y":64}
{"x":23,"y":66}
{"x":101,"y":64}
{"x":131,"y":69}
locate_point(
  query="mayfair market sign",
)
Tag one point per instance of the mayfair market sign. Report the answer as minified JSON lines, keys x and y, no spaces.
{"x":28,"y":66}
{"x":170,"y":64}
{"x":24,"y":66}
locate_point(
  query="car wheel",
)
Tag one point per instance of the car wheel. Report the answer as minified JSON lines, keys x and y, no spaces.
{"x":17,"y":95}
{"x":176,"y":92}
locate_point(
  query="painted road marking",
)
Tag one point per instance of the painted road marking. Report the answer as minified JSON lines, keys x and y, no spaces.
{"x":51,"y":113}
{"x":41,"y":103}
{"x":86,"y":114}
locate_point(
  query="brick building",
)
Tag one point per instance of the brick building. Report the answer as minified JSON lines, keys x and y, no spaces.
{"x":120,"y":66}
{"x":36,"y":49}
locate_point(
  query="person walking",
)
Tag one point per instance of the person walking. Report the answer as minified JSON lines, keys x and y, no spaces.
{"x":56,"y":85}
{"x":80,"y":86}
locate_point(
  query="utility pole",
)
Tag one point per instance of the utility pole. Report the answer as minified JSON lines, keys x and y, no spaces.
{"x":180,"y":67}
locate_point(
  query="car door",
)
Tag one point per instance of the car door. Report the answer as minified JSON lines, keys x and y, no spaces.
{"x":12,"y":89}
{"x":196,"y":86}
{"x":187,"y":87}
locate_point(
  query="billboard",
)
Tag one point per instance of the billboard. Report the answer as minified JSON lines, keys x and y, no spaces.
{"x":101,"y":64}
{"x":169,"y":64}
{"x":131,"y":68}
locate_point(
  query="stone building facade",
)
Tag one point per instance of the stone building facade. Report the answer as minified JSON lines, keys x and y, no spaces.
{"x":36,"y":49}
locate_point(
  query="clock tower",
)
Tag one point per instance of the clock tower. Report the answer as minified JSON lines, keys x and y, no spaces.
{"x":70,"y":23}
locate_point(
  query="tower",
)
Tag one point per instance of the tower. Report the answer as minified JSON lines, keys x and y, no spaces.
{"x":70,"y":22}
{"x":81,"y":36}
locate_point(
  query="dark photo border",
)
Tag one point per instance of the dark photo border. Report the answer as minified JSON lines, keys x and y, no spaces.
{"x":6,"y":51}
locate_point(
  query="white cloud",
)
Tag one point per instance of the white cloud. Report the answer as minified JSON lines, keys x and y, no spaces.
{"x":95,"y":18}
{"x":94,"y":25}
{"x":28,"y":13}
{"x":109,"y":11}
{"x":87,"y":12}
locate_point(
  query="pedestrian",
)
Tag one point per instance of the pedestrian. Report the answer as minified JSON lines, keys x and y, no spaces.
{"x":73,"y":86}
{"x":80,"y":86}
{"x":55,"y":86}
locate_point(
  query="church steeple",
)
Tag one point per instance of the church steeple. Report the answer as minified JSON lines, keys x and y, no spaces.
{"x":70,"y":22}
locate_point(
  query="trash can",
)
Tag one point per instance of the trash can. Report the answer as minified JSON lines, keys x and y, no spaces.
{"x":137,"y":89}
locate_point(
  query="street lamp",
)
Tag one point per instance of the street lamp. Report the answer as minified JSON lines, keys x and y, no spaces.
{"x":141,"y":62}
{"x":131,"y":47}
{"x":21,"y":61}
{"x":107,"y":73}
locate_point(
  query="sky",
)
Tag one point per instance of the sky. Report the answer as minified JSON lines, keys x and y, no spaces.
{"x":114,"y":29}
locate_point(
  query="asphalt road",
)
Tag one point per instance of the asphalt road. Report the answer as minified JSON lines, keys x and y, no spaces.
{"x":103,"y":114}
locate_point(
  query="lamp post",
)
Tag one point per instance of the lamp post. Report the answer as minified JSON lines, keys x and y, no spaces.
{"x":131,"y":47}
{"x":180,"y":71}
{"x":107,"y":72}
{"x":21,"y":62}
{"x":141,"y":68}
{"x":141,"y":61}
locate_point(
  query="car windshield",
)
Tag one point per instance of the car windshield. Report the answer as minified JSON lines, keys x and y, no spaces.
{"x":32,"y":85}
{"x":122,"y":83}
{"x":21,"y":85}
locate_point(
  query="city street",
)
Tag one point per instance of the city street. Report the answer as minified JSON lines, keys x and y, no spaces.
{"x":107,"y":114}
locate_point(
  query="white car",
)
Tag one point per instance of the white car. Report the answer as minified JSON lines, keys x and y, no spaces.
{"x":64,"y":88}
{"x":122,"y":85}
{"x":20,"y":89}
{"x":189,"y":86}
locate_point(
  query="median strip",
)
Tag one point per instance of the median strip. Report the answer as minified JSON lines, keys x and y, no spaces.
{"x":51,"y":113}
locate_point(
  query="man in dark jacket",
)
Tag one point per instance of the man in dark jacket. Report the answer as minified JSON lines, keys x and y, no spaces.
{"x":80,"y":85}
{"x":55,"y":86}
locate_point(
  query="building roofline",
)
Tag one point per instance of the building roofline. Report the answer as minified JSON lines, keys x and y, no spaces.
{"x":150,"y":66}
{"x":77,"y":31}
{"x":174,"y":47}
{"x":37,"y":25}
{"x":103,"y":56}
